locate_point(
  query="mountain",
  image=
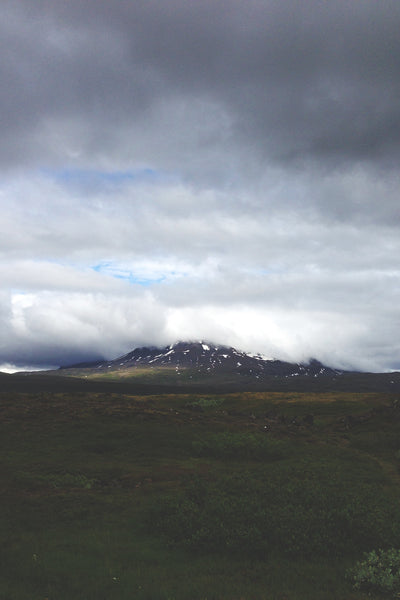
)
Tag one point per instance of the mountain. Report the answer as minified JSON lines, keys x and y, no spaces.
{"x":186,"y":367}
{"x":206,"y":360}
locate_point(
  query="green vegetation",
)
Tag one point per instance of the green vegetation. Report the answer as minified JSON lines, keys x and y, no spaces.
{"x":311,"y":513}
{"x":206,"y":402}
{"x":239,"y":446}
{"x":379,"y":572}
{"x":247,"y":496}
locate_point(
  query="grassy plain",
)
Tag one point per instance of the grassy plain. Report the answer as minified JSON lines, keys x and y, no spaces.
{"x":257,"y":495}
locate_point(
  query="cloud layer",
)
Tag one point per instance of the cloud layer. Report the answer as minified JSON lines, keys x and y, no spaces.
{"x":226,"y":171}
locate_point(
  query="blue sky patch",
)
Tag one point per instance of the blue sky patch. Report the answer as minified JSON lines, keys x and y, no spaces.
{"x":127,"y":275}
{"x":94,"y":179}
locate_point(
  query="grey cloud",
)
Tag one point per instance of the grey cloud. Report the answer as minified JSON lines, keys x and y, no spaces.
{"x":272,"y":129}
{"x":295,"y":80}
{"x":58,"y":327}
{"x":187,"y":226}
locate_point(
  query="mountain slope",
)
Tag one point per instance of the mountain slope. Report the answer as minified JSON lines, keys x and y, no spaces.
{"x":186,"y":367}
{"x":202,"y":359}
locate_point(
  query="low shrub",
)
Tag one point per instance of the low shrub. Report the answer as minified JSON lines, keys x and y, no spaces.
{"x":284,"y":514}
{"x":58,"y":480}
{"x":238,"y":446}
{"x":378,"y":572}
{"x":206,"y":402}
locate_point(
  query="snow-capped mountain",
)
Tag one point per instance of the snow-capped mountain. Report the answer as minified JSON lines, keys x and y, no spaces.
{"x":209,"y":358}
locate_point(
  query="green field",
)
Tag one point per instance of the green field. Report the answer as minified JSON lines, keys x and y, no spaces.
{"x":258,"y":495}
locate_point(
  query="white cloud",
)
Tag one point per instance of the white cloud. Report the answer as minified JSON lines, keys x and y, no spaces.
{"x":115,"y":270}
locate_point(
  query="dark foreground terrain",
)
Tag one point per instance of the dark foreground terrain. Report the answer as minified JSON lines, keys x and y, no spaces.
{"x":109,"y":493}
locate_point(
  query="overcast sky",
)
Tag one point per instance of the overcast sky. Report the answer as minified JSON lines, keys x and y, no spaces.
{"x":221,"y":170}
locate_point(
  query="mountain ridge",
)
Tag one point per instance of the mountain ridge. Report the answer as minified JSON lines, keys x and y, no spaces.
{"x":198,"y":367}
{"x":206,"y":358}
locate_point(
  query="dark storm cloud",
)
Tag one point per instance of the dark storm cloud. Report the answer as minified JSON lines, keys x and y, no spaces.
{"x":310,"y":80}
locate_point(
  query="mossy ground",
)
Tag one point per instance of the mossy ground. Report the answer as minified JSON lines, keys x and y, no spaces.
{"x":81,"y":473}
